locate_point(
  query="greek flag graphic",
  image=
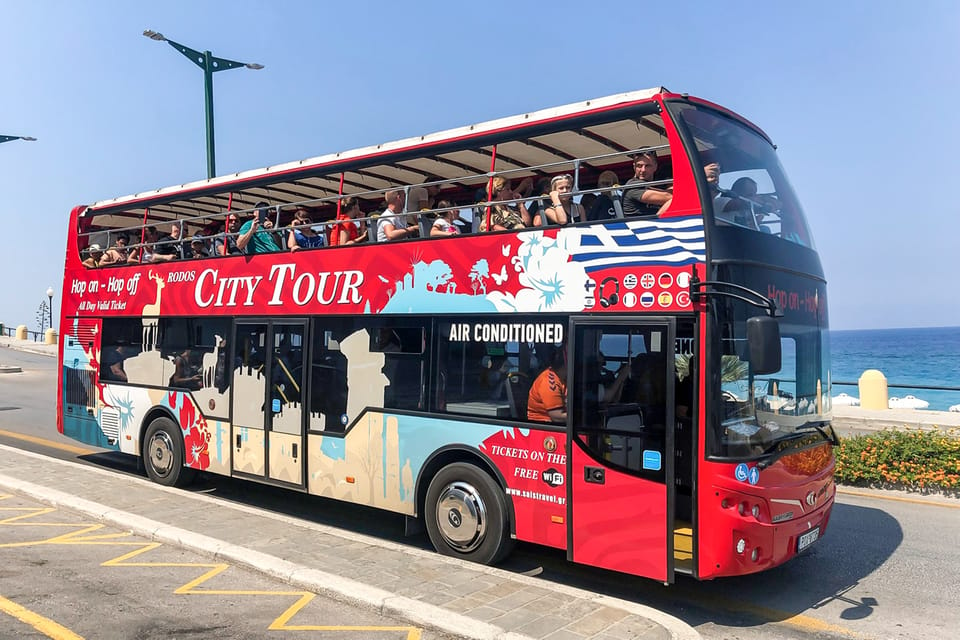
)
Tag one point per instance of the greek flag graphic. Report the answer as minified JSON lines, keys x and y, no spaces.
{"x":674,"y":242}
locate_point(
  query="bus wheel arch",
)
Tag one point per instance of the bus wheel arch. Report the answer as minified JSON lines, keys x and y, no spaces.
{"x":466,"y":511}
{"x":162,"y":450}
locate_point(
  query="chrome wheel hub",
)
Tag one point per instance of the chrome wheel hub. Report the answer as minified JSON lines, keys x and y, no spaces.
{"x":461,"y":516}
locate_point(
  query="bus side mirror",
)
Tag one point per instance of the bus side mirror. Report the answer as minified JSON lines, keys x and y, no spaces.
{"x":763,"y":340}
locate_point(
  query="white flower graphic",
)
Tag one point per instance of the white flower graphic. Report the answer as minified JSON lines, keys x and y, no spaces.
{"x":550,"y":281}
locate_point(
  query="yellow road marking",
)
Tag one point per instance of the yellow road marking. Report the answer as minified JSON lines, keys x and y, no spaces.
{"x":47,"y":443}
{"x":45,"y":626}
{"x":81,"y":537}
{"x":864,"y":494}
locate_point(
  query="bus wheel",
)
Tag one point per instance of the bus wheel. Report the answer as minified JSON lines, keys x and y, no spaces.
{"x":163,"y":454}
{"x":466,"y":514}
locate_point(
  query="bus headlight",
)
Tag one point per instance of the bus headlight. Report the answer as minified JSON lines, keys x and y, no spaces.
{"x":741,"y":545}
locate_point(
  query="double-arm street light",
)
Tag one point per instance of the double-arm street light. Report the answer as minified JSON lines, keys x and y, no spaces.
{"x":9,"y":138}
{"x":210,"y":65}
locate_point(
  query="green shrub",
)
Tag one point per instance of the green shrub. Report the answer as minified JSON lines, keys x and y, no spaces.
{"x":910,"y":459}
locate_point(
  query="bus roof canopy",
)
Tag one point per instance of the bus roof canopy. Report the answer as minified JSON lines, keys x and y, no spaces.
{"x":463,"y":152}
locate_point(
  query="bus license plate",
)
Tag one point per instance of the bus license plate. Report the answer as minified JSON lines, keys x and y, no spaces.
{"x":807,"y":539}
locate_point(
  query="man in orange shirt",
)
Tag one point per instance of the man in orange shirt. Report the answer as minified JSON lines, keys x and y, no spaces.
{"x":547,"y":401}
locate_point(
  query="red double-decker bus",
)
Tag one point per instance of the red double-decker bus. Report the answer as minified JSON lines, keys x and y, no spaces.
{"x":600,"y":327}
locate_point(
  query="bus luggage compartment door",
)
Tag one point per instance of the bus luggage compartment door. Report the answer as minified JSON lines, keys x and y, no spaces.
{"x":621,"y":461}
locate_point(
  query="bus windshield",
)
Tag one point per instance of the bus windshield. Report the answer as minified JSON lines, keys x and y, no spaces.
{"x":748,"y":187}
{"x":758,"y":413}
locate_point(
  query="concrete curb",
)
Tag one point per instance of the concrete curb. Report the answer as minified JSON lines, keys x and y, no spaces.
{"x":10,"y":369}
{"x":327,"y":584}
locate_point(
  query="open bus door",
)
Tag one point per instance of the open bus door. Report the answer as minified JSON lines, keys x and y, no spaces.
{"x":268,"y":400}
{"x":621,"y":442}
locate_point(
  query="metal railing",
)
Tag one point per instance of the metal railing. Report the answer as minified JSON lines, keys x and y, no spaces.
{"x":135,"y":231}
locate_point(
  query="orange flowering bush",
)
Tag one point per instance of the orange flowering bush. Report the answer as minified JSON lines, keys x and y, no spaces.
{"x":919,"y":460}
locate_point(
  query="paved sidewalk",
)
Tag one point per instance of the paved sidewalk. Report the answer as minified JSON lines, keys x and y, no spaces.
{"x":429,"y":590}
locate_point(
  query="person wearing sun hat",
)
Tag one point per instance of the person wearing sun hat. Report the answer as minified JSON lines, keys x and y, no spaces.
{"x":94,"y":253}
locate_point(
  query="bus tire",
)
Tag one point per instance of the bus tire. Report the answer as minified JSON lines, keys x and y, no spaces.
{"x":163,"y":454}
{"x":466,"y":514}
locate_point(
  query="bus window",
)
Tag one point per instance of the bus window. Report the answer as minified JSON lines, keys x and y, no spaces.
{"x":620,"y":393}
{"x":486,"y":368}
{"x":121,"y":340}
{"x":364,"y":363}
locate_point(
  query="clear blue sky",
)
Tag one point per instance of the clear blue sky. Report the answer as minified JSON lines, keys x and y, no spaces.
{"x":860,"y":97}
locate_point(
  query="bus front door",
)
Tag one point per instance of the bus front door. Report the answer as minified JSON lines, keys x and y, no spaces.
{"x":620,"y":465}
{"x":267,"y":402}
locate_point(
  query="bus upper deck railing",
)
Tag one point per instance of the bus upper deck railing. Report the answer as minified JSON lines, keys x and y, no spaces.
{"x":477,"y":209}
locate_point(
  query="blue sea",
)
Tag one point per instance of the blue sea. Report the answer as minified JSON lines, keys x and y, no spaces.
{"x":928,"y":357}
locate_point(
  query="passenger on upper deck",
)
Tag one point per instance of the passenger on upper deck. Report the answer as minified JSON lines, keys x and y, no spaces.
{"x":744,"y":206}
{"x":421,"y":197}
{"x":504,"y":216}
{"x":169,"y":247}
{"x":302,"y":235}
{"x":562,"y":208}
{"x":146,"y":252}
{"x":392,"y":224}
{"x":443,"y":225}
{"x":645,"y":201}
{"x":346,"y":230}
{"x":227,"y":239}
{"x":198,"y":248}
{"x":117,"y":254}
{"x":603,"y":207}
{"x":94,"y":253}
{"x":256,"y":235}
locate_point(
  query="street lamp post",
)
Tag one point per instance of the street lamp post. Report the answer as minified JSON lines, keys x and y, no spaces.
{"x":10,"y":138}
{"x":50,"y":299}
{"x":210,"y":65}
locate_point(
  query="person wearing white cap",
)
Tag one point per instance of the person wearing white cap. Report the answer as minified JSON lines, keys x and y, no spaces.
{"x":94,"y":253}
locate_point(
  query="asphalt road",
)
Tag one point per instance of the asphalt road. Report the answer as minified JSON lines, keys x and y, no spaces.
{"x":887,"y":568}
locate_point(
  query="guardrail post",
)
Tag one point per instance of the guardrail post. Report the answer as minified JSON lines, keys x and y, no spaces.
{"x":873,"y":390}
{"x":22,"y":332}
{"x":50,"y":336}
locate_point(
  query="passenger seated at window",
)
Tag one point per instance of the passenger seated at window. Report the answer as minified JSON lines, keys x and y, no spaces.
{"x":443,"y":225}
{"x":256,"y":235}
{"x":547,"y":401}
{"x":742,"y":205}
{"x":94,"y":254}
{"x":603,"y":207}
{"x":505,"y":216}
{"x":393,"y":224}
{"x":645,"y":201}
{"x":226,"y":243}
{"x":117,"y":254}
{"x":198,"y":248}
{"x":347,"y":231}
{"x":542,"y":199}
{"x":421,"y":198}
{"x":169,"y":246}
{"x":302,"y":235}
{"x":562,"y":209}
{"x":146,"y":253}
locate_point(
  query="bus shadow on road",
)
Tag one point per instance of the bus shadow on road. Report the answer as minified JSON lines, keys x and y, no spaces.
{"x":859,"y":540}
